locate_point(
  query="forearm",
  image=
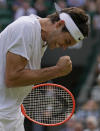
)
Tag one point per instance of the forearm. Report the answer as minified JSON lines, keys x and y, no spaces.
{"x":28,"y":77}
{"x":16,"y":75}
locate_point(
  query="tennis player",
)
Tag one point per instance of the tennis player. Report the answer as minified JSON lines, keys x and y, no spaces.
{"x":22,"y":45}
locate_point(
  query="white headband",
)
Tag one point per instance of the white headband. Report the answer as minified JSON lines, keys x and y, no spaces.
{"x":72,"y":27}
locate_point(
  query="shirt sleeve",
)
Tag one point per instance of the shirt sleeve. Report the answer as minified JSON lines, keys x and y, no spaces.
{"x":20,"y":36}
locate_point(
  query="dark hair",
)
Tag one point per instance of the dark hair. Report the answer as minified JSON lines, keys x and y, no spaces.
{"x":79,"y":17}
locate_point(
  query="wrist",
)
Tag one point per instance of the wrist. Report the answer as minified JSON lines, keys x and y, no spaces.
{"x":58,"y":70}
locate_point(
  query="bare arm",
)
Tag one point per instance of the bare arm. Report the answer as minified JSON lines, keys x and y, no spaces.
{"x":17,"y":75}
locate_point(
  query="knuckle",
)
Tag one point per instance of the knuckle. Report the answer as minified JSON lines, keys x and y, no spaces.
{"x":68,"y":57}
{"x":70,"y":61}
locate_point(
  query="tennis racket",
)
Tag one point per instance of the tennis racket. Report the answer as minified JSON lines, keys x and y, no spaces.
{"x":49,"y":105}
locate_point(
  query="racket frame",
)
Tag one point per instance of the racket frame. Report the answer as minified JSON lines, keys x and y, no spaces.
{"x":50,"y":84}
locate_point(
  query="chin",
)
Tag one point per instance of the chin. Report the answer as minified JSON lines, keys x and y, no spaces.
{"x":51,"y":47}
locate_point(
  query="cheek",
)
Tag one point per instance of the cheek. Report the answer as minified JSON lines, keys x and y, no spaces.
{"x":59,"y":39}
{"x":52,"y":37}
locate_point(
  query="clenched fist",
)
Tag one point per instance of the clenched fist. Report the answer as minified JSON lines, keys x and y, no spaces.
{"x":64,"y":65}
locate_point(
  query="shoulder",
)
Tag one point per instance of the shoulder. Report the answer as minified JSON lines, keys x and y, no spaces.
{"x":20,"y":25}
{"x":26,"y":27}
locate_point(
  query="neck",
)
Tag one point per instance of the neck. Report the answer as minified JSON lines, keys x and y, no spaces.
{"x":43,"y":35}
{"x":44,"y":22}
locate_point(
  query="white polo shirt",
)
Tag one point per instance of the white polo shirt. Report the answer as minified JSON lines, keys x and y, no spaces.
{"x":22,"y":37}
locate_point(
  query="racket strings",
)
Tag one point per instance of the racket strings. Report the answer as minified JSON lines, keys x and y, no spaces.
{"x":48,"y":104}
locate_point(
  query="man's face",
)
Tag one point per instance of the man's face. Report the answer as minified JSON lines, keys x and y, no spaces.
{"x":57,"y":39}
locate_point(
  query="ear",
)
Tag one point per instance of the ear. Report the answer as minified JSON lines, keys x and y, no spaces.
{"x":60,"y":23}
